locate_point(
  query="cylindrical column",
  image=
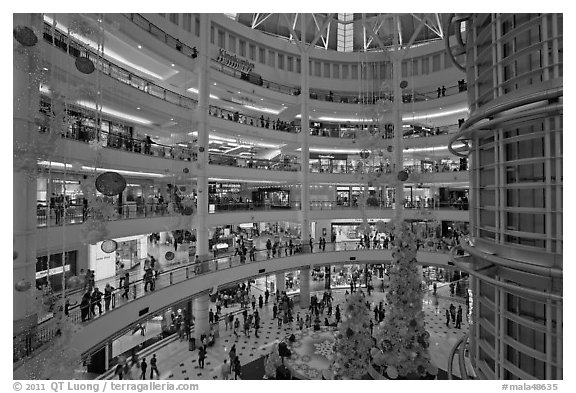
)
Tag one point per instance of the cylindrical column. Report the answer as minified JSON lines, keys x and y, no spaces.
{"x":304,"y":136}
{"x":280,"y":282}
{"x":201,"y":305}
{"x":304,"y":288}
{"x":327,"y":277}
{"x":203,"y":139}
{"x":26,"y":104}
{"x":397,"y":115}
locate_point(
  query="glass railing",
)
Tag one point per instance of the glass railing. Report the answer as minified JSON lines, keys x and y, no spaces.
{"x":75,"y":49}
{"x":315,"y":94}
{"x":26,"y":343}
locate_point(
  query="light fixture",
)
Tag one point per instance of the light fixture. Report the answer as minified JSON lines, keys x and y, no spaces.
{"x":138,"y":108}
{"x":45,"y":68}
{"x":139,"y":46}
{"x":171,"y":119}
{"x":215,"y":84}
{"x":172,"y":64}
{"x":112,"y":112}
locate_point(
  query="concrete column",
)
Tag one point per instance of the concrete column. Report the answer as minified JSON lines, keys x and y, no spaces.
{"x":304,"y":288}
{"x":201,"y":307}
{"x":280,"y":282}
{"x":397,"y":115}
{"x":327,"y":277}
{"x":26,"y":104}
{"x":202,"y":248}
{"x":304,"y":143}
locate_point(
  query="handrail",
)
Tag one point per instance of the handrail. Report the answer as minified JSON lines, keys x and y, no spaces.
{"x":461,"y":361}
{"x":25,"y":344}
{"x":75,"y":49}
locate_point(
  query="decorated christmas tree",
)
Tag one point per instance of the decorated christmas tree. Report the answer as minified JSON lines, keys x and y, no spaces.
{"x":401,"y":339}
{"x":272,"y":362}
{"x":353,"y":342}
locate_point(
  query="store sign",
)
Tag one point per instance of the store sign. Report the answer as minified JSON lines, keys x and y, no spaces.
{"x":234,"y":62}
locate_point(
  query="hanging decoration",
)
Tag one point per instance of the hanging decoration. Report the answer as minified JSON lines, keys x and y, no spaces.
{"x":22,"y":285}
{"x":84,"y":65}
{"x":110,"y":183}
{"x":402,"y":175}
{"x":74,"y":282}
{"x":25,"y":36}
{"x":364,"y":154}
{"x":169,"y":255}
{"x":403,"y":84}
{"x":109,"y":246}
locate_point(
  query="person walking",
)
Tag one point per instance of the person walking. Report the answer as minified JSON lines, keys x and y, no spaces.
{"x":201,"y":356}
{"x":143,"y":367}
{"x":126,"y":285}
{"x":459,"y":318}
{"x":274,"y":311}
{"x":266,"y":296}
{"x":154,"y":367}
{"x":210,"y":317}
{"x":108,"y":293}
{"x":253,"y":301}
{"x":260,"y":301}
{"x":337,"y":315}
{"x":225,"y":370}
{"x":96,"y":301}
{"x":237,"y":368}
{"x":453,"y":312}
{"x":447,"y":318}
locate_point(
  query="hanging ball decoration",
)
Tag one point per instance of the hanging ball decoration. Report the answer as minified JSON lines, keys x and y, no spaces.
{"x":201,"y":149}
{"x":403,"y":84}
{"x":110,"y":183}
{"x":74,"y":282}
{"x":364,"y":154}
{"x":390,"y":149}
{"x":109,"y":246}
{"x":169,"y":256}
{"x":186,"y":170}
{"x":402,"y":175}
{"x":22,"y":285}
{"x":182,"y":188}
{"x":84,"y":65}
{"x":25,"y":36}
{"x":187,"y":211}
{"x":392,"y":372}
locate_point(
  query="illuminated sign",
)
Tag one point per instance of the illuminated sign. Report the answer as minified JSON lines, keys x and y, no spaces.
{"x":233,"y":61}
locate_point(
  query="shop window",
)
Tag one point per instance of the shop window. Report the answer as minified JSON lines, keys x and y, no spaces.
{"x":317,"y":69}
{"x":414,"y":67}
{"x":262,"y":55}
{"x":197,"y":27}
{"x":280,"y":61}
{"x":212,"y":34}
{"x":232,"y":43}
{"x":289,"y":63}
{"x":447,"y":61}
{"x":298,"y":66}
{"x":271,"y":58}
{"x":242,"y":48}
{"x":221,"y":39}
{"x":252,"y":52}
{"x":173,"y":18}
{"x":326,"y":73}
{"x":354,"y":73}
{"x":436,"y":62}
{"x":49,"y":270}
{"x":336,"y":71}
{"x":187,"y":22}
{"x":404,"y":69}
{"x":344,"y":71}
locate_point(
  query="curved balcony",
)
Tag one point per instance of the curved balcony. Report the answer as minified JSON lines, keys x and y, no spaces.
{"x":315,"y":94}
{"x":190,"y":279}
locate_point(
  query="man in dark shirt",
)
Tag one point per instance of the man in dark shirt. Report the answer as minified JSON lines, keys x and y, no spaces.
{"x":143,"y":367}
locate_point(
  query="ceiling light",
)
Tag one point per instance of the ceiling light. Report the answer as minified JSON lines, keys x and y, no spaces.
{"x":45,"y":69}
{"x":239,"y":93}
{"x":172,"y":119}
{"x":139,"y":46}
{"x":91,"y":168}
{"x":172,"y":64}
{"x":261,"y":99}
{"x":215,"y":84}
{"x":138,"y":108}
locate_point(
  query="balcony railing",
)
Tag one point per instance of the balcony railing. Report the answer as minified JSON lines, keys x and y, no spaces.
{"x":26,"y":343}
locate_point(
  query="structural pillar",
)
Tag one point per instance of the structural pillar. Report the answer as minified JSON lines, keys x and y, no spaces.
{"x":327,"y":277}
{"x":202,"y":240}
{"x":201,"y":325}
{"x":26,"y":99}
{"x":304,"y":140}
{"x":398,"y":134}
{"x":280,"y":282}
{"x":304,"y":288}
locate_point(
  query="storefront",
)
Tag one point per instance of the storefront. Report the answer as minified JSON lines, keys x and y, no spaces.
{"x":130,"y":252}
{"x":49,"y":270}
{"x":273,"y":197}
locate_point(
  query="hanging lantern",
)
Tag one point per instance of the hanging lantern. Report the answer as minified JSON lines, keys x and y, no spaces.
{"x":182,"y":188}
{"x":84,"y":65}
{"x":364,"y":154}
{"x":74,"y":282}
{"x":22,"y":286}
{"x":185,"y":170}
{"x":25,"y":36}
{"x":402,"y":175}
{"x":169,"y":256}
{"x":390,"y":149}
{"x":201,"y":149}
{"x":403,"y":84}
{"x":187,"y":211}
{"x":110,"y":183}
{"x":109,"y":246}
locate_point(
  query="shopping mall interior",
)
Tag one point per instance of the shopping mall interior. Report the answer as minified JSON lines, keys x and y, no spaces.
{"x":310,"y":196}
